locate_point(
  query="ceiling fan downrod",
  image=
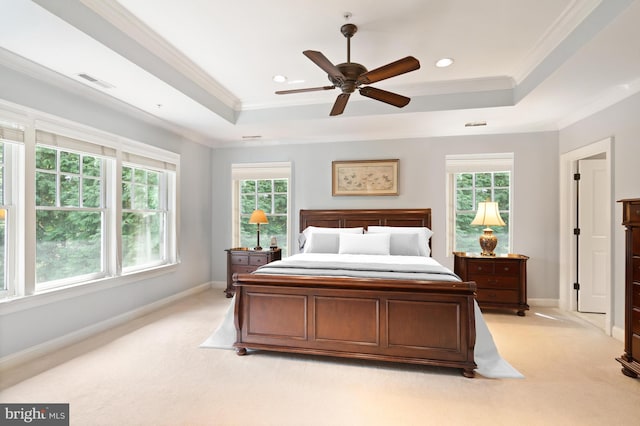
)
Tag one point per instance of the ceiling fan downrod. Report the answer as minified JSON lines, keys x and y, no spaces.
{"x":348,"y":30}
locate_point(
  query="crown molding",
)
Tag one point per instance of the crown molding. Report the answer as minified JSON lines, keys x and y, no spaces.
{"x":564,"y":25}
{"x":121,"y":18}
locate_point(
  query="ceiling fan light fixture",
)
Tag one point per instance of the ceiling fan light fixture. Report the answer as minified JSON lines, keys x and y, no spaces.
{"x":279,"y":78}
{"x":444,"y":62}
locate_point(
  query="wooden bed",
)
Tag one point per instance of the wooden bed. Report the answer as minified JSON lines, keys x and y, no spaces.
{"x":418,"y":322}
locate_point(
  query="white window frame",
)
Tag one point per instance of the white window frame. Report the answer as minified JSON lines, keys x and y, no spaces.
{"x":243,"y":171}
{"x":476,"y":163}
{"x":12,"y":135}
{"x":163,"y":202}
{"x":76,"y":137}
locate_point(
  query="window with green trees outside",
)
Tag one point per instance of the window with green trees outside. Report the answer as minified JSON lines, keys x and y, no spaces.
{"x":69,"y":214}
{"x":269,"y":195}
{"x":143,"y":217}
{"x":469,"y":190}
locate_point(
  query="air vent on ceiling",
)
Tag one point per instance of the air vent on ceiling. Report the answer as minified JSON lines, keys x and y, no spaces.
{"x":475,"y":124}
{"x":95,"y":81}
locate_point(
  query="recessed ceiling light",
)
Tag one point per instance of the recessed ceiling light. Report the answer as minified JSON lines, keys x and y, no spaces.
{"x":279,"y":78}
{"x":444,"y":62}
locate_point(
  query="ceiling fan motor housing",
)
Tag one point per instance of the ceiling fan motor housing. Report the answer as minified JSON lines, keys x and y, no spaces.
{"x":351,"y":72}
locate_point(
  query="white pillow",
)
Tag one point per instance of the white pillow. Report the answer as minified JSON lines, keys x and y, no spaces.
{"x":423,"y":235}
{"x":320,"y":242}
{"x":364,"y":244}
{"x":304,"y":236}
{"x":404,"y":244}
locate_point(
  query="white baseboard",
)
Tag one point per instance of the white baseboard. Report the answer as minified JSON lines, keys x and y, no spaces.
{"x":219,"y":284}
{"x":617,"y":333}
{"x":37,"y":351}
{"x":543,"y":303}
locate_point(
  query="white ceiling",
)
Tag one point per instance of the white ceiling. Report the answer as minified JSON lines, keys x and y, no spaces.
{"x":204,"y":68}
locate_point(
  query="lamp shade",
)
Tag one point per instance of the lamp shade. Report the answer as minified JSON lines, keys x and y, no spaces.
{"x":258,"y":216}
{"x":488,"y":214}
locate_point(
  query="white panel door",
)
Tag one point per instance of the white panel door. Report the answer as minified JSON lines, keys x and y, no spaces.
{"x":593,"y":250}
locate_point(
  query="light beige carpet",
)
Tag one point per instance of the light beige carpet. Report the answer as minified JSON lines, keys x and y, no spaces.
{"x":151,"y":371}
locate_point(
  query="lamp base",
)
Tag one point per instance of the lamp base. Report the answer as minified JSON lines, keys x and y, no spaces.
{"x":488,"y":242}
{"x":257,"y":248}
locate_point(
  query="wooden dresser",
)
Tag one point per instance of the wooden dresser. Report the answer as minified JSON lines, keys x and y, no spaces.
{"x":501,"y":280}
{"x":243,"y":260}
{"x":630,"y":360}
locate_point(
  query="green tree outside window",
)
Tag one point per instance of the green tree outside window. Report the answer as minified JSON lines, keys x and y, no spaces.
{"x":470,"y":189}
{"x":69,"y":216}
{"x":269,"y":195}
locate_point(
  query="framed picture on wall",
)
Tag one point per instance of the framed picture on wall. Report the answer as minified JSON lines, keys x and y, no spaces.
{"x":364,"y":177}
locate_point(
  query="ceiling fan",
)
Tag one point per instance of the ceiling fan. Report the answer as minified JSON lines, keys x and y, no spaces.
{"x":350,"y":76}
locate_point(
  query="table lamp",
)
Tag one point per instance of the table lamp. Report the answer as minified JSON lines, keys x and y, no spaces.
{"x":258,"y":217}
{"x":488,"y":215}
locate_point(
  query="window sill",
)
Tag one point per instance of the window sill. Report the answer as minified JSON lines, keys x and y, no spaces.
{"x":21,"y":303}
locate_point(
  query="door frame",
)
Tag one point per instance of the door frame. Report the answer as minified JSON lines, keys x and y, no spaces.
{"x":567,"y":276}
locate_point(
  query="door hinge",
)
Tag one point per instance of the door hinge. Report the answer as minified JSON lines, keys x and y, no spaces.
{"x":576,"y":286}
{"x":576,"y":176}
{"x":576,"y":231}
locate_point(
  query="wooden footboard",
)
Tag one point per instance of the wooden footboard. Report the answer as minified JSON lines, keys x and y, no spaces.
{"x":419,"y":322}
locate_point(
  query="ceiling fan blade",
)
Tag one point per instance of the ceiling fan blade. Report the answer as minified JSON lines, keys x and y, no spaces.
{"x":384,"y":96}
{"x":393,"y":69}
{"x":320,"y":60}
{"x":341,"y":102}
{"x":309,"y":89}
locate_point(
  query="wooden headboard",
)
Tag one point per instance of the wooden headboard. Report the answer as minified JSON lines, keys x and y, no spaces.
{"x":364,"y":218}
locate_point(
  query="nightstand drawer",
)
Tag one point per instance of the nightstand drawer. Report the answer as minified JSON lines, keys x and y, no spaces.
{"x":243,"y":269}
{"x":495,"y":281}
{"x":480,"y":267}
{"x":504,"y":267}
{"x":239,"y":259}
{"x":258,"y":260}
{"x":497,"y":296}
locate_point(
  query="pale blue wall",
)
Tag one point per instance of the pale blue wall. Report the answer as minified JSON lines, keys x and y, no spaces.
{"x":422,"y":184}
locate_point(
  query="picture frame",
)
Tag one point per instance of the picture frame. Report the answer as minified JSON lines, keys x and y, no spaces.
{"x":364,"y":177}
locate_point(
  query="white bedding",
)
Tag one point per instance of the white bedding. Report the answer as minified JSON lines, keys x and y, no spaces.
{"x":490,"y":363}
{"x":361,"y":265}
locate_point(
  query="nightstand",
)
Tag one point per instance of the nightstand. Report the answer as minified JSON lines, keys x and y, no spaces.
{"x":501,"y":280}
{"x":244,"y":260}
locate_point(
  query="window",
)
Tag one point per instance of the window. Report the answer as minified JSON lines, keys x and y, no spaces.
{"x":69,"y":216}
{"x":78,"y":205}
{"x":473,"y":179}
{"x":11,"y":166}
{"x":269,"y":195}
{"x":264,"y":187}
{"x":144,"y":214}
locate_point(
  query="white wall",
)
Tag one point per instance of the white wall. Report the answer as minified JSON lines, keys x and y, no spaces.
{"x":621,"y":122}
{"x":26,"y":328}
{"x":422,"y":184}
